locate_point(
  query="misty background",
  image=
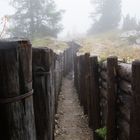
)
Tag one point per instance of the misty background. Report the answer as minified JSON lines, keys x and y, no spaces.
{"x":76,"y":19}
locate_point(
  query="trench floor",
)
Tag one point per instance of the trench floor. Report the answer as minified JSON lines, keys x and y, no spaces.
{"x":70,"y":122}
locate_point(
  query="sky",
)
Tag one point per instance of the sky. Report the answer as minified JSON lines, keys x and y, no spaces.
{"x":76,"y":18}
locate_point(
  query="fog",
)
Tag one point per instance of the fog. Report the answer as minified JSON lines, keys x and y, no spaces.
{"x":76,"y":18}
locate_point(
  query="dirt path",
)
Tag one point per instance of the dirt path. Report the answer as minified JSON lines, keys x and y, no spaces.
{"x":71,"y":124}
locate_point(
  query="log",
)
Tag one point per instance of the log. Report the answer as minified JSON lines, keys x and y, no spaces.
{"x":43,"y":97}
{"x":87,"y":76}
{"x":135,"y":106}
{"x":124,"y":108}
{"x":103,"y":66}
{"x":103,"y":75}
{"x":125,"y":87}
{"x":64,"y":63}
{"x":125,"y":71}
{"x":103,"y":93}
{"x":103,"y":84}
{"x":104,"y":111}
{"x":81,"y":80}
{"x":123,"y":130}
{"x":112,"y":98}
{"x":16,"y":101}
{"x":76,"y":72}
{"x":94,"y":96}
{"x":84,"y":77}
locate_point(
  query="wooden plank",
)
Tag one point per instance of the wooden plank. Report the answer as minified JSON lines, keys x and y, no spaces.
{"x":112,"y":98}
{"x":16,"y":117}
{"x":79,"y":77}
{"x":103,"y":66}
{"x":104,"y":110}
{"x":103,"y":75}
{"x":135,"y":110}
{"x":103,"y":93}
{"x":84,"y":95}
{"x":124,"y":102}
{"x":125,"y":87}
{"x":103,"y":84}
{"x":87,"y":87}
{"x":124,"y":71}
{"x":123,"y":130}
{"x":94,"y":94}
{"x":76,"y":71}
{"x":44,"y":92}
{"x":81,"y":80}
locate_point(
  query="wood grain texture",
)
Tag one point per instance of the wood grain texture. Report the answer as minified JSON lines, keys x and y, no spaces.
{"x":17,"y":118}
{"x":112,"y":98}
{"x":135,"y":108}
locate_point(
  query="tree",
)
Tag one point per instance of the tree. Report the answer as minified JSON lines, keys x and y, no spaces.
{"x":35,"y":19}
{"x":129,"y":23}
{"x":107,"y":15}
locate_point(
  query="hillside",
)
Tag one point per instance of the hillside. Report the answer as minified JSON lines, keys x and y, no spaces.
{"x":110,"y":44}
{"x":56,"y":45}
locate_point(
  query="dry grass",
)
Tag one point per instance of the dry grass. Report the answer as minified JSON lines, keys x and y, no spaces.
{"x":55,"y":45}
{"x":109,"y":44}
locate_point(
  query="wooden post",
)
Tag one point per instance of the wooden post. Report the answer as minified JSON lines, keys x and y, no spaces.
{"x":112,"y":98}
{"x":87,"y":86}
{"x":77,"y":76}
{"x":81,"y":80}
{"x":135,"y":108}
{"x":95,"y":96}
{"x":16,"y":101}
{"x":64,"y":63}
{"x":86,"y":82}
{"x":76,"y":71}
{"x":43,"y":93}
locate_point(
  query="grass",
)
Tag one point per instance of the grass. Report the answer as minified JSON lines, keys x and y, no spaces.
{"x":56,"y":45}
{"x":110,"y":44}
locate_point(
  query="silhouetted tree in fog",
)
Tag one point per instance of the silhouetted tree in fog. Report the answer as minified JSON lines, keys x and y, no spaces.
{"x":107,"y":15}
{"x":35,"y":19}
{"x":129,"y":23}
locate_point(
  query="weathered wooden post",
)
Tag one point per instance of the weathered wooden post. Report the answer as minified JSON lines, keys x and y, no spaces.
{"x":87,"y":86}
{"x":16,"y":101}
{"x":77,"y":75}
{"x":43,"y":95}
{"x":85,"y":82}
{"x":112,"y":64}
{"x":57,"y":78}
{"x":80,"y":79}
{"x":95,"y":96}
{"x":76,"y":71}
{"x":135,"y":108}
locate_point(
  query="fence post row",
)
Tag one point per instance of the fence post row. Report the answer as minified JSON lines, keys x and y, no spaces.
{"x":17,"y":120}
{"x":16,"y":101}
{"x":115,"y":83}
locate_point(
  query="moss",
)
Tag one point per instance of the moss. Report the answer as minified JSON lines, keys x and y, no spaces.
{"x":102,"y":132}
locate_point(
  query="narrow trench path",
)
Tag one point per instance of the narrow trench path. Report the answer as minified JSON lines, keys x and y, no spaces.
{"x":71,"y":123}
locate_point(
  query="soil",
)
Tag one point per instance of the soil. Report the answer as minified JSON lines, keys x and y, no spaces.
{"x":71,"y":123}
